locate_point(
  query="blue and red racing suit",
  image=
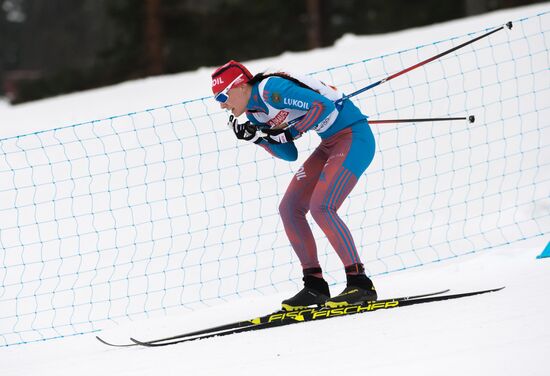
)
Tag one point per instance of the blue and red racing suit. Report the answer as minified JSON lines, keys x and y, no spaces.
{"x":327,"y":177}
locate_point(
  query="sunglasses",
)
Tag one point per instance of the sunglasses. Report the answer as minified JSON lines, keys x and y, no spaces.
{"x":222,"y":96}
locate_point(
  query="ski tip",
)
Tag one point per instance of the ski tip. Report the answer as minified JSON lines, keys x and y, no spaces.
{"x":490,"y":290}
{"x":112,"y":344}
{"x":103,"y":341}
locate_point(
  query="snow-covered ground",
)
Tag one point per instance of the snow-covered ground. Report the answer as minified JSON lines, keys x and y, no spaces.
{"x":504,"y":333}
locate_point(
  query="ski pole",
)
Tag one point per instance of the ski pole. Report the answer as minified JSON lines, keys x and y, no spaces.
{"x":339,"y":102}
{"x":470,"y":119}
{"x":391,"y":77}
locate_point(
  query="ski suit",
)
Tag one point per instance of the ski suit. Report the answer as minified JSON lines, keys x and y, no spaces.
{"x":327,"y":177}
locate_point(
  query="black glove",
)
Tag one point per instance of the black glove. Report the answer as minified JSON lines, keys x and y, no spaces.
{"x":245,"y":131}
{"x":277,"y":136}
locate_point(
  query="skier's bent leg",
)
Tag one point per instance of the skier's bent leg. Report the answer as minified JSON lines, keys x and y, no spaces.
{"x":295,"y":205}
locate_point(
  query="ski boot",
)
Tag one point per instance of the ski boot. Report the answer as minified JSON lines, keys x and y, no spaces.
{"x":359,"y":289}
{"x":315,"y":292}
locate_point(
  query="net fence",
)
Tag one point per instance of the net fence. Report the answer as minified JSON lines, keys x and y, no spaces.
{"x":149,"y":212}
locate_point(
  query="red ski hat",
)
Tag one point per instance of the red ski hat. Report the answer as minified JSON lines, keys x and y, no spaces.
{"x":227,"y":74}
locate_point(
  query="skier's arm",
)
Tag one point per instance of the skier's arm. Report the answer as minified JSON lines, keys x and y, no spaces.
{"x":286,"y":151}
{"x":321,"y":111}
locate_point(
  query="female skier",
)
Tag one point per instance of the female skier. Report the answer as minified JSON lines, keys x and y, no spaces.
{"x":280,"y":108}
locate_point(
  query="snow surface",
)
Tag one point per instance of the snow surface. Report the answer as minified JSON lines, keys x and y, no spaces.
{"x":504,"y":333}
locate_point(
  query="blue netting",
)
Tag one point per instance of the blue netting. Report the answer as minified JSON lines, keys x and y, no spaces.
{"x":144,"y":213}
